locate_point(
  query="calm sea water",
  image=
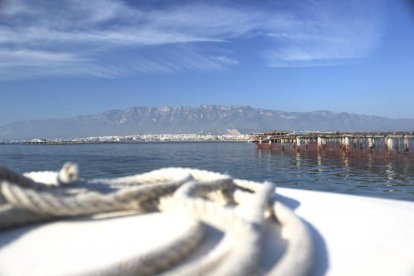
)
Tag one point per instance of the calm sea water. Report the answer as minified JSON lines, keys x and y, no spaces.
{"x":372,"y":175}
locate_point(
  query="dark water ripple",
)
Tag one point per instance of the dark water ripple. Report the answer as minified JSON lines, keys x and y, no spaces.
{"x":362,"y":175}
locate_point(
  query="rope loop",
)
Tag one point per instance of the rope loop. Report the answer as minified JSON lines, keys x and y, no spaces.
{"x":235,"y":207}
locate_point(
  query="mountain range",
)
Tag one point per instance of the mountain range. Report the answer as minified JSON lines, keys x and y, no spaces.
{"x":216,"y":119}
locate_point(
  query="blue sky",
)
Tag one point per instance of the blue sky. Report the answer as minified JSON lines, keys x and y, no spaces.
{"x":63,"y":58}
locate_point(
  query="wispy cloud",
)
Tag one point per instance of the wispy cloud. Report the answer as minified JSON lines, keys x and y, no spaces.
{"x":338,"y":32}
{"x":108,"y":38}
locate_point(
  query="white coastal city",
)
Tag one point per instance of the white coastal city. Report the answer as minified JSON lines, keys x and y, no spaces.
{"x":138,"y":138}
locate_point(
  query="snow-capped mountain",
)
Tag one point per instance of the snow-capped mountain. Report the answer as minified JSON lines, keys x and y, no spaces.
{"x":205,"y":118}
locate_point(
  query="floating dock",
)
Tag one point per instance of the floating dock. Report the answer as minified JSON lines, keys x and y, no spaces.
{"x":401,"y":142}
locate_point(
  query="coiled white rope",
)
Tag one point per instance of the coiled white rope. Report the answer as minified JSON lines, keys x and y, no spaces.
{"x":206,"y":197}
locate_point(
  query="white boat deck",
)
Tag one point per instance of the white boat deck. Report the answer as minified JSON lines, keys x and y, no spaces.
{"x":352,"y":235}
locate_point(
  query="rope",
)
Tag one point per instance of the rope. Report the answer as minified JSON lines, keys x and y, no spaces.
{"x":205,"y":197}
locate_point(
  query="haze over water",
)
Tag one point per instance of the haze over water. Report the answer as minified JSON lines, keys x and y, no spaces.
{"x":362,"y":174}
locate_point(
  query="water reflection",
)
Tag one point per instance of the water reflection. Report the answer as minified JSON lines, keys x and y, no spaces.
{"x":345,"y":159}
{"x":298,"y":160}
{"x":373,"y":173}
{"x":370,"y":160}
{"x":319,"y":161}
{"x":389,"y":170}
{"x":363,"y":172}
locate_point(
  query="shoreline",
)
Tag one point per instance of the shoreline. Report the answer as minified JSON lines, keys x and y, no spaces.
{"x":134,"y":138}
{"x":120,"y":142}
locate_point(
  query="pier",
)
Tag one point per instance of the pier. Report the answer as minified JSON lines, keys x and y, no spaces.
{"x":398,"y":142}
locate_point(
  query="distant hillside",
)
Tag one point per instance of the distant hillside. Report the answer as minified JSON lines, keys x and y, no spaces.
{"x":205,"y":118}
